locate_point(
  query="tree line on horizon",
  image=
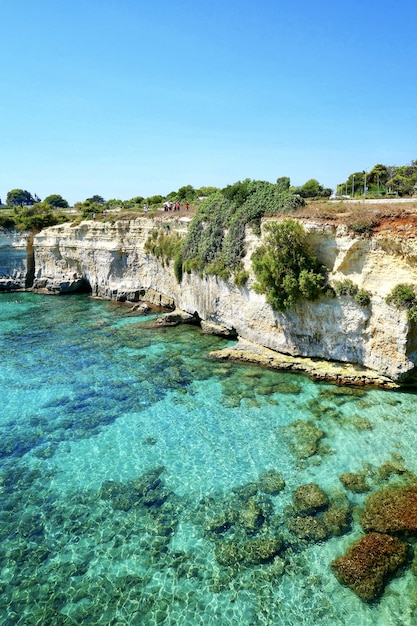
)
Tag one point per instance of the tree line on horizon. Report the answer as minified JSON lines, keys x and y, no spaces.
{"x":20,"y":198}
{"x":381,"y":181}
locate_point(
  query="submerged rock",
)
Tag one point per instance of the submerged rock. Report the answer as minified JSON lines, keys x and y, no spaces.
{"x":392,"y":510}
{"x":337,"y":520}
{"x":354,"y":482}
{"x":369,"y":564}
{"x":309,"y":499}
{"x":271,"y":482}
{"x":255,"y":512}
{"x":251,"y":552}
{"x":303,"y":438}
{"x":148,"y":481}
{"x":392,"y":468}
{"x":220,"y":522}
{"x":309,"y":528}
{"x":246,"y":491}
{"x":146,"y":490}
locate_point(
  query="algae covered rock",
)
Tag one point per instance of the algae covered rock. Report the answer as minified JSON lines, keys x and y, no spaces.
{"x":246,"y":491}
{"x":148,"y":481}
{"x":392,"y":510}
{"x":271,"y":482}
{"x":254,"y":513}
{"x":309,"y":499}
{"x":370,"y":563}
{"x":354,"y":482}
{"x":337,"y":520}
{"x":251,"y":552}
{"x":308,"y":528}
{"x":303,"y":438}
{"x":220,"y":522}
{"x":395,"y":468}
{"x":146,"y":490}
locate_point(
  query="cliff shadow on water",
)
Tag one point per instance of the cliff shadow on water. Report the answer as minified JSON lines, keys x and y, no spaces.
{"x":30,"y":263}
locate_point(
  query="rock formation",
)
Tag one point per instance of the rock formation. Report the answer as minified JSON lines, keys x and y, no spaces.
{"x":16,"y":262}
{"x":110,"y":259}
{"x":370,"y":563}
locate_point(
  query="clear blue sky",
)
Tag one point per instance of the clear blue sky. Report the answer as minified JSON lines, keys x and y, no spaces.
{"x":126,"y":97}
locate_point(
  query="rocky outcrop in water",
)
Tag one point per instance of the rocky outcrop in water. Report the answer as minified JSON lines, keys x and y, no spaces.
{"x":370,"y":563}
{"x":392,"y":510}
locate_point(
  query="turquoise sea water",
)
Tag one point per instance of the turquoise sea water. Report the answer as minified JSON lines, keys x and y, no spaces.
{"x":129,"y":459}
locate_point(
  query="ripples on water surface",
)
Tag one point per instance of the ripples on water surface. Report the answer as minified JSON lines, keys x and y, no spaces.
{"x":128,"y":459}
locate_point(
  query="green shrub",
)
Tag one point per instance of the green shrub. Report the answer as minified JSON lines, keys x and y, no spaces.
{"x":162,"y":245}
{"x":363,"y":297}
{"x":241,"y":277}
{"x":412,"y":314}
{"x":218,"y":268}
{"x":363,"y":227}
{"x":216,"y":237}
{"x":284,"y":268}
{"x":178,"y":267}
{"x":38,"y":217}
{"x":402,"y":296}
{"x":7,"y":222}
{"x":345,"y":287}
{"x":329,"y":292}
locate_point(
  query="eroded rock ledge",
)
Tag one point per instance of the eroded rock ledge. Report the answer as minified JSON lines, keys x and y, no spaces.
{"x":341,"y":373}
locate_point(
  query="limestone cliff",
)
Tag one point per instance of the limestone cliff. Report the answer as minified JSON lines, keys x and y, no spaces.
{"x":16,"y":259}
{"x":112,"y":260}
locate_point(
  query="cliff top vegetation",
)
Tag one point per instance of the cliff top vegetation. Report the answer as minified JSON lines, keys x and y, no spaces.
{"x":351,"y":205}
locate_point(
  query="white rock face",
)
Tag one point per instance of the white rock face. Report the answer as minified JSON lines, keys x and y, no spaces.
{"x":111,"y":257}
{"x":13,"y":258}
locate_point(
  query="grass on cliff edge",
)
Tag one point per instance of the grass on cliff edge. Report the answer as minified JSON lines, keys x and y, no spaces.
{"x":363,"y":216}
{"x":399,"y":217}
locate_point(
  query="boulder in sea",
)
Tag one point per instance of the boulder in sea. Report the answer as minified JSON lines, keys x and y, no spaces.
{"x":251,"y":552}
{"x":141,"y":307}
{"x":370,"y":563}
{"x":337,"y":520}
{"x":271,"y":482}
{"x":255,"y":512}
{"x":147,"y":482}
{"x":354,"y":482}
{"x":309,"y":499}
{"x":308,"y":528}
{"x":303,"y":438}
{"x":392,"y":510}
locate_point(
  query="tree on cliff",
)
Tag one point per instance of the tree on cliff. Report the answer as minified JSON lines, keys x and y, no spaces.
{"x":19,"y":197}
{"x":56,"y":201}
{"x":215,"y":242}
{"x":313,"y":189}
{"x":96,"y":199}
{"x":285,"y":269}
{"x":38,"y":216}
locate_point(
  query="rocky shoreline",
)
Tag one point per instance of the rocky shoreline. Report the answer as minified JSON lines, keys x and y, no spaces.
{"x":331,"y":371}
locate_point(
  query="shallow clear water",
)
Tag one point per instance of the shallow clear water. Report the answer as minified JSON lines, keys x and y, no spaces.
{"x":122,"y":450}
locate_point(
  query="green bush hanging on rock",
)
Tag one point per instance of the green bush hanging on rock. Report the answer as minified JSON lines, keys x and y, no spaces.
{"x":286,"y":271}
{"x":215,"y":242}
{"x":403,"y":296}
